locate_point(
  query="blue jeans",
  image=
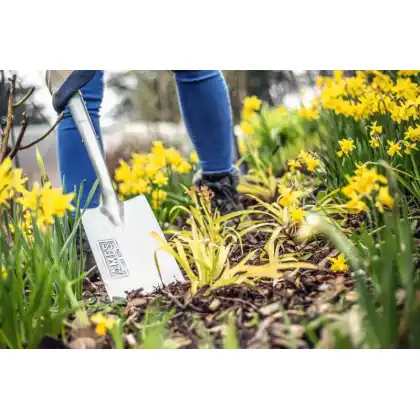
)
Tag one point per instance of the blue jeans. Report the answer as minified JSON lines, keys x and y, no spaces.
{"x":206,"y":110}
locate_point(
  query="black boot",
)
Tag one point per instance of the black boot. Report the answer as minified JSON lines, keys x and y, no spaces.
{"x":88,"y":256}
{"x":224,"y":187}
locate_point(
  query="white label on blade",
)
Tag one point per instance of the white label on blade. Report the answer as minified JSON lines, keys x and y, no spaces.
{"x":113,"y":258}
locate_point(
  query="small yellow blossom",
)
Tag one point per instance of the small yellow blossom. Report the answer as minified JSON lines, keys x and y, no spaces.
{"x":339,"y":264}
{"x":347,"y":146}
{"x":173,"y":156}
{"x":319,"y":81}
{"x":157,"y":197}
{"x":338,"y":75}
{"x":139,"y":159}
{"x":312,"y":164}
{"x":160,"y":179}
{"x":349,"y":190}
{"x":4,"y":273}
{"x":311,"y":113}
{"x":356,"y":205}
{"x":11,"y":181}
{"x":151,"y":169}
{"x":103,"y":324}
{"x":194,"y":158}
{"x":384,"y":199}
{"x":394,"y":148}
{"x":251,"y":104}
{"x":298,"y":215}
{"x":247,"y":127}
{"x":183,"y":167}
{"x":123,"y":172}
{"x":375,"y":129}
{"x":374,"y":143}
{"x":412,"y":133}
{"x":408,"y":72}
{"x":294,"y":164}
{"x":158,"y":154}
{"x":289,"y":197}
{"x":304,"y":156}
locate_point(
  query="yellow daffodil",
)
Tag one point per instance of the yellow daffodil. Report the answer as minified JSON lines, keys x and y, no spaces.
{"x":247,"y":127}
{"x":103,"y":324}
{"x":394,"y":148}
{"x":374,"y":143}
{"x":160,"y":179}
{"x":294,"y":164}
{"x":375,"y":129}
{"x":412,"y":133}
{"x":347,"y":146}
{"x":251,"y":105}
{"x":384,"y":199}
{"x":183,"y":167}
{"x":298,"y":215}
{"x":289,"y":198}
{"x":194,"y":158}
{"x":157,"y":197}
{"x":312,"y":164}
{"x":339,"y":264}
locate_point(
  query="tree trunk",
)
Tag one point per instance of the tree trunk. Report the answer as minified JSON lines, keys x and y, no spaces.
{"x":258,"y":84}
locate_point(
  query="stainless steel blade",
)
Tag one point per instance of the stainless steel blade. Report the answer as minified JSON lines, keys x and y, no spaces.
{"x":126,"y":255}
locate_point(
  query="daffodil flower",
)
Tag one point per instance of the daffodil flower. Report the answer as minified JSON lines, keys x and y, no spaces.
{"x":103,"y":324}
{"x":339,"y":264}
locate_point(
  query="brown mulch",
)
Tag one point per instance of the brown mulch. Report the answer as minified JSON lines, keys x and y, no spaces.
{"x":271,"y":314}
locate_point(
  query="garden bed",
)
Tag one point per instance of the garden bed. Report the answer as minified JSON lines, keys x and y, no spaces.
{"x":325,"y":254}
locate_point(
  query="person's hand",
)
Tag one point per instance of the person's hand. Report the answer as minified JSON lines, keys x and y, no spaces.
{"x":63,"y":84}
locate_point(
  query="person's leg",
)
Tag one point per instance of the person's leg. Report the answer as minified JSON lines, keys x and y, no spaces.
{"x":206,"y":110}
{"x":73,"y":160}
{"x":205,"y":107}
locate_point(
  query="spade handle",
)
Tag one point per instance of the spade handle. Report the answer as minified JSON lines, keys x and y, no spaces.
{"x":110,"y":205}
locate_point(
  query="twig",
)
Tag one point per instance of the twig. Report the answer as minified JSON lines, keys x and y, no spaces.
{"x":15,"y":150}
{"x":25,"y":98}
{"x":173,"y":298}
{"x":60,"y":117}
{"x":5,"y":139}
{"x":244,"y":302}
{"x":167,"y":293}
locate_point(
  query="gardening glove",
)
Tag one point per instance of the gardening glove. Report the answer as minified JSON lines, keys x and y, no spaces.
{"x":63,"y":84}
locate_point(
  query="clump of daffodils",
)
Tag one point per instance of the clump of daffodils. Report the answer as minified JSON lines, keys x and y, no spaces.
{"x":39,"y":203}
{"x":304,"y":160}
{"x":311,"y":113}
{"x":251,"y":105}
{"x":367,"y":184}
{"x":11,"y":182}
{"x":290,"y":202}
{"x":46,"y":202}
{"x":370,"y":94}
{"x":150,"y":173}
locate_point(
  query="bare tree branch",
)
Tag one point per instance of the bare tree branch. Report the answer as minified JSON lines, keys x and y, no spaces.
{"x":15,"y":150}
{"x":25,"y":98}
{"x":60,"y":117}
{"x":5,"y":139}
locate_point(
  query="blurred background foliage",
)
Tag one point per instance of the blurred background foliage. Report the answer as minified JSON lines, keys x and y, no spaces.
{"x":151,"y":95}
